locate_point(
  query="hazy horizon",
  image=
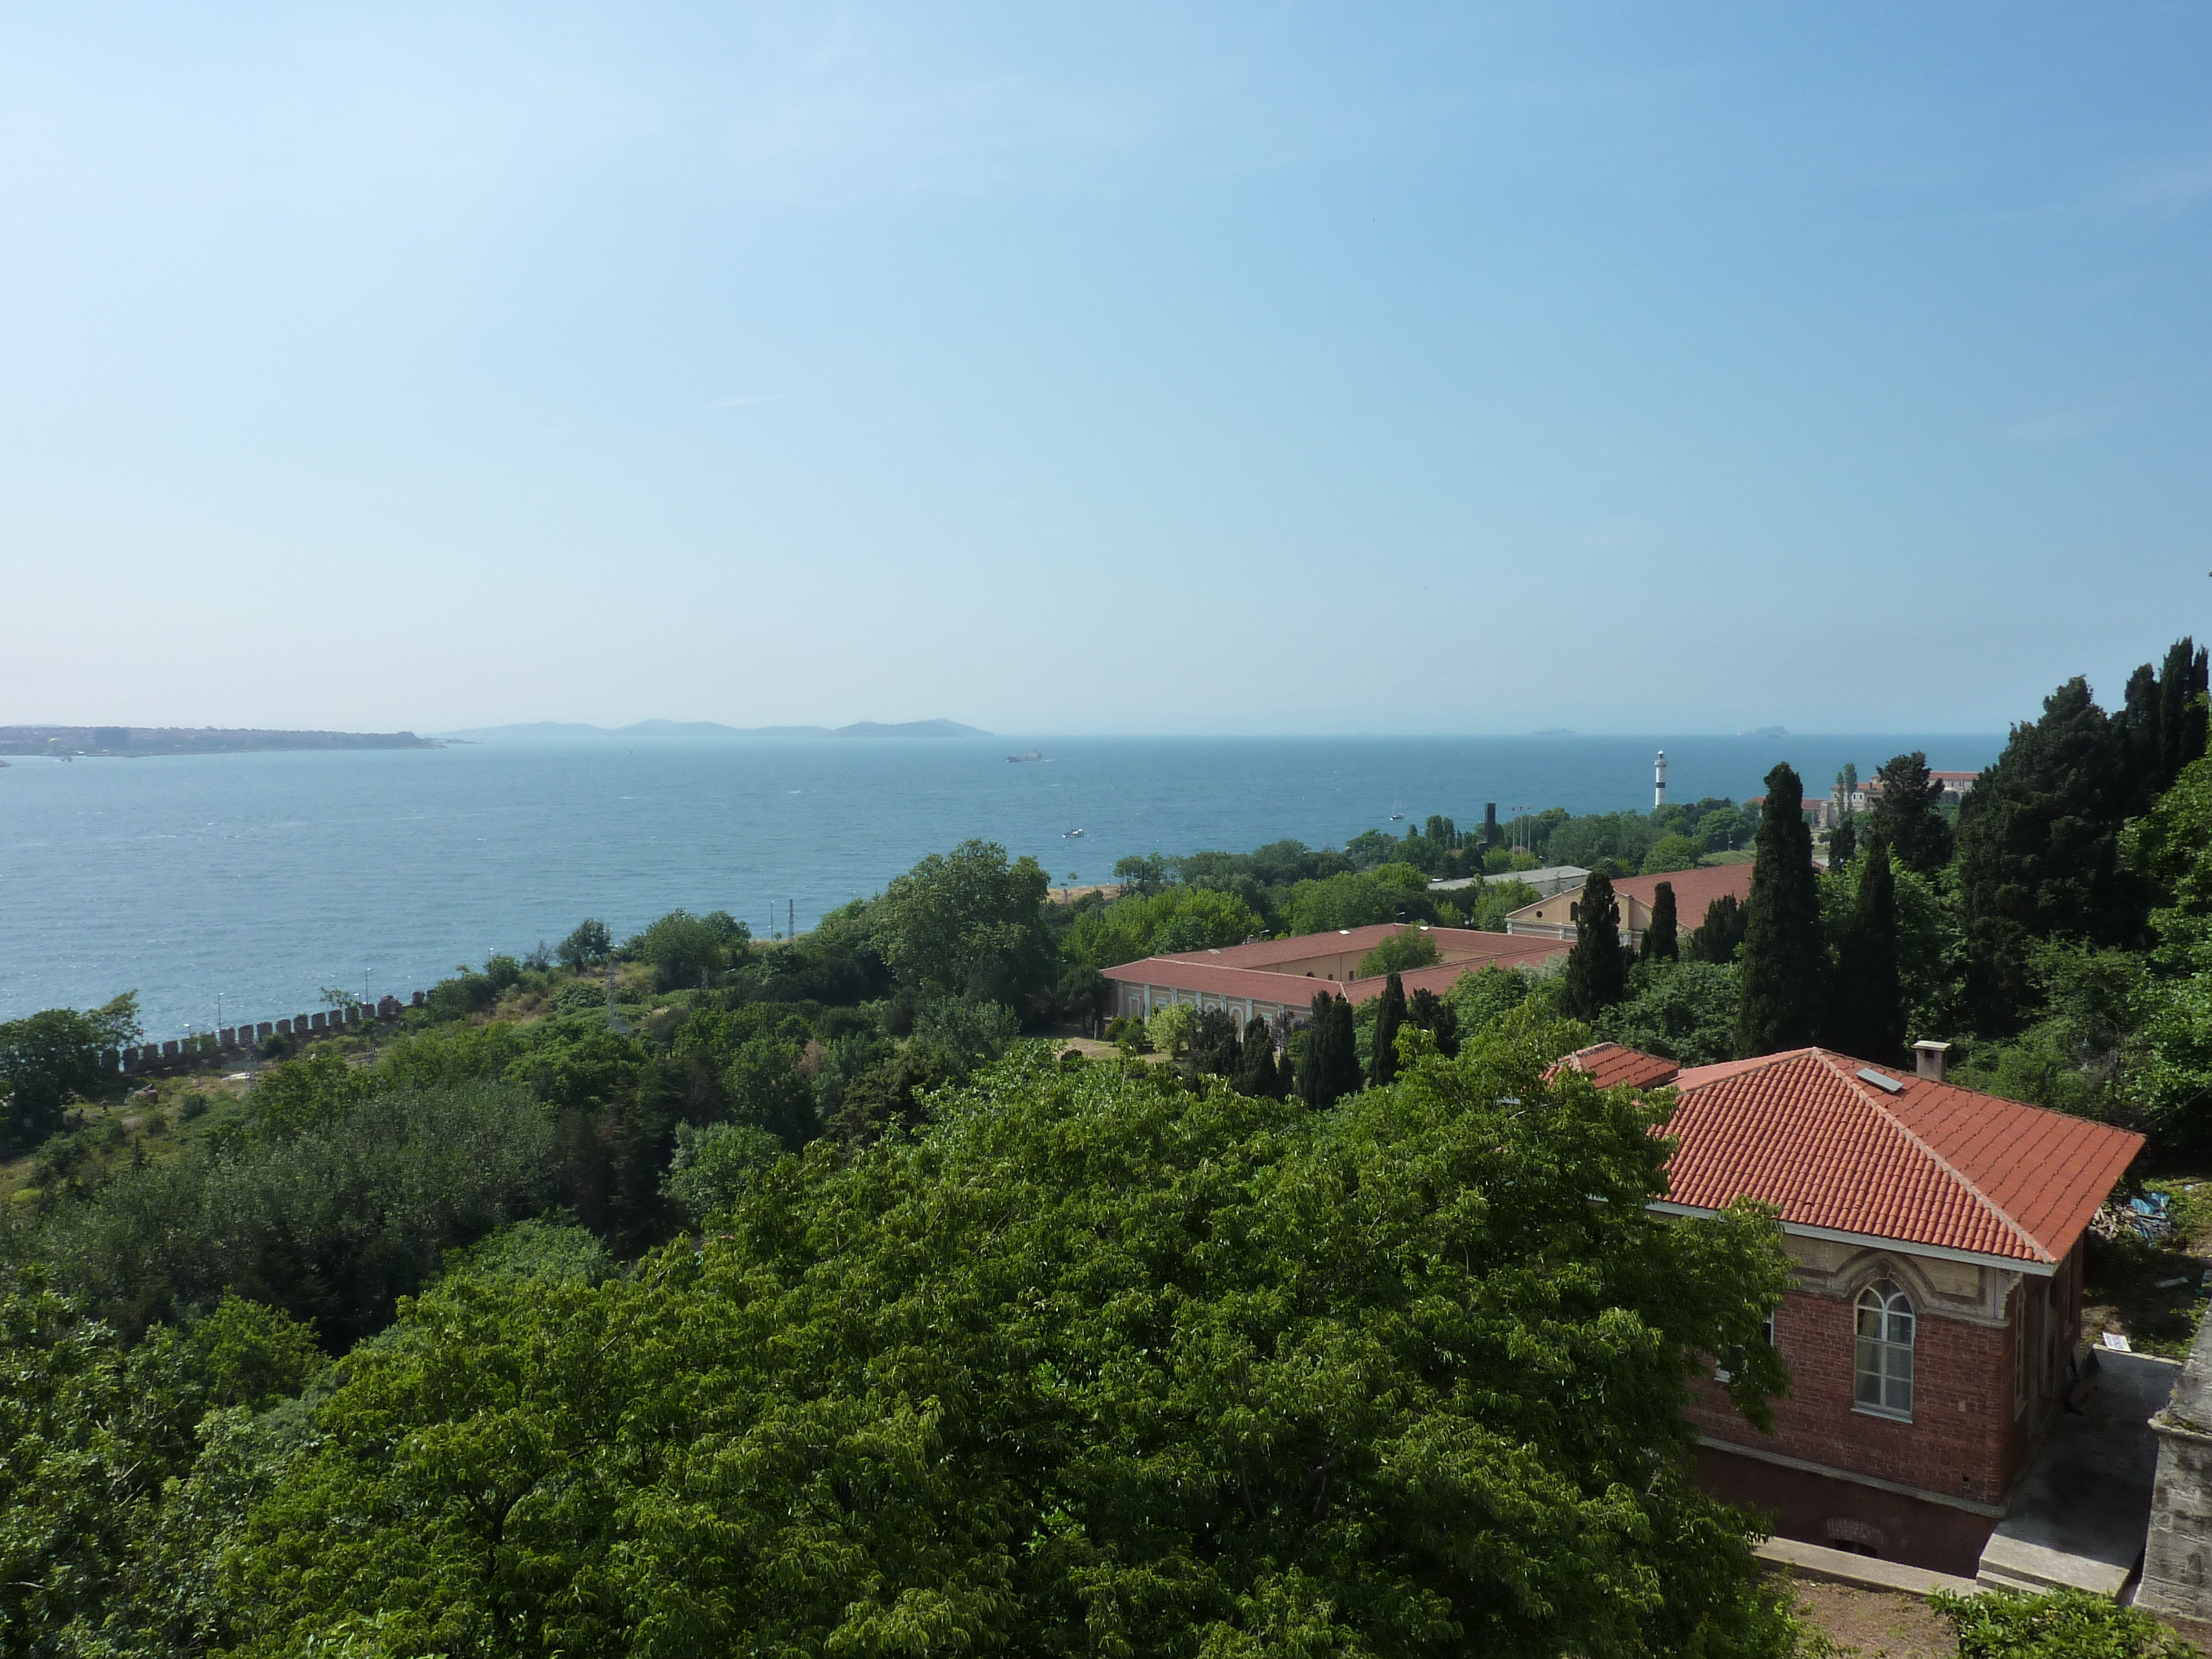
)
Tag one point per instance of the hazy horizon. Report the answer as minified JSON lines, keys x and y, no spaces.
{"x":1251,"y":371}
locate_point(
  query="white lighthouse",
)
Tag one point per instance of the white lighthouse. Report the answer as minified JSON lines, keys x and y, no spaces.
{"x":1659,"y":782}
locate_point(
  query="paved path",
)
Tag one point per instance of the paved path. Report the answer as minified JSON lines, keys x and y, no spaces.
{"x":2082,"y":1509}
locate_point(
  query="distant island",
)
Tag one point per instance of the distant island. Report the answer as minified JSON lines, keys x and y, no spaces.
{"x":711,"y":729}
{"x":135,"y":741}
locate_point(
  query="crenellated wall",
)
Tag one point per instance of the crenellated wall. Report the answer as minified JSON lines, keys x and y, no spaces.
{"x":183,"y":1053}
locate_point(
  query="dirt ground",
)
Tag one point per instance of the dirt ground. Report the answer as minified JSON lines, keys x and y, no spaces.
{"x":1876,"y":1625}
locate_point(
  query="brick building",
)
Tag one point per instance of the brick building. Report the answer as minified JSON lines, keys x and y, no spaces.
{"x":1934,"y":1326}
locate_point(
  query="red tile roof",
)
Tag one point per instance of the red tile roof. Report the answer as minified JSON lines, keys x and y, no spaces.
{"x":1612,"y":1065}
{"x":1511,"y":953}
{"x":1693,"y":889}
{"x":1452,"y":943}
{"x":1228,"y":971}
{"x":1182,"y":974}
{"x":1932,"y":1165}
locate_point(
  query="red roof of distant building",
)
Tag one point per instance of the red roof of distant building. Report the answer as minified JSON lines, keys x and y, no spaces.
{"x":1612,"y":1065}
{"x":1233,"y":970}
{"x":1931,"y":1164}
{"x":1693,"y":889}
{"x":1182,"y":974}
{"x":1262,"y":953}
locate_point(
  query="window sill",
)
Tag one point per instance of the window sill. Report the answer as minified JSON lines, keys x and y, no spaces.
{"x":1876,"y":1411}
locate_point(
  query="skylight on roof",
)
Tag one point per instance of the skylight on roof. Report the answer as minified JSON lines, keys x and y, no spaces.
{"x":1867,"y":1073}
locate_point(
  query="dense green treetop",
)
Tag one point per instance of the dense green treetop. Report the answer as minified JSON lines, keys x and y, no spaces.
{"x":967,"y":922}
{"x":47,"y":1057}
{"x":2038,"y":846}
{"x":1409,"y":947}
{"x":1096,"y":1364}
{"x":1907,"y":812}
{"x":1672,"y":852}
{"x":1160,"y":923}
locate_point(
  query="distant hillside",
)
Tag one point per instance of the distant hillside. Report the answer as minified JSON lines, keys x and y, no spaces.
{"x":661,"y":728}
{"x":139,"y":740}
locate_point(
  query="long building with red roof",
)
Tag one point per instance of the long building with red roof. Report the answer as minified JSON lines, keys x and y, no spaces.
{"x":1934,"y":1327}
{"x":1268,"y":977}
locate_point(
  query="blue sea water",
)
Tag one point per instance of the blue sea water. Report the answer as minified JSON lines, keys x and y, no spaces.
{"x":232,"y":887}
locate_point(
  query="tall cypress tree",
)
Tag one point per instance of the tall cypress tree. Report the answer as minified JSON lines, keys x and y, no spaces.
{"x":1717,"y":937}
{"x":2173,"y":699}
{"x":1661,"y":941}
{"x":1257,"y":1073}
{"x":1438,"y":1018}
{"x":1844,"y":843}
{"x":2181,"y":717}
{"x":1869,"y":999}
{"x":1383,"y":1057}
{"x":1329,"y":1068}
{"x":2039,"y":850}
{"x":1597,"y":968}
{"x":1784,"y":956}
{"x":1215,"y":1048}
{"x":1908,"y":813}
{"x":2139,"y":716}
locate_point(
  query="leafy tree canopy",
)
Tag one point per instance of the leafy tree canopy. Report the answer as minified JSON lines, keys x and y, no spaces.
{"x":1671,"y":853}
{"x":1410,"y":947}
{"x":1094,"y":1356}
{"x":47,"y":1057}
{"x":2039,"y":844}
{"x":1160,"y":923}
{"x":1907,"y":812}
{"x":968,"y":922}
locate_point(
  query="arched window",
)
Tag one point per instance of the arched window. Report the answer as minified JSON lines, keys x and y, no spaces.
{"x":1885,"y":1350}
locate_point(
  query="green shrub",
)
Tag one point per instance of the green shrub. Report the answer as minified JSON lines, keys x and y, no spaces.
{"x":712,"y":1166}
{"x":1672,"y":852}
{"x":1410,"y":949}
{"x":2065,"y":1625}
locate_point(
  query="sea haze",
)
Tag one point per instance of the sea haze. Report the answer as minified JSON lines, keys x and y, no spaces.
{"x":260,"y":878}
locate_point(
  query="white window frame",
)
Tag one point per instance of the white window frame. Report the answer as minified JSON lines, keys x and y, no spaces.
{"x":1883,"y":1326}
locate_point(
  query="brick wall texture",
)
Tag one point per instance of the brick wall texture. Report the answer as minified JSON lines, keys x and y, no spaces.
{"x":1964,"y":1440}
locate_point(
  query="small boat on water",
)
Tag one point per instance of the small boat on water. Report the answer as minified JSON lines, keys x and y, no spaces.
{"x":1071,"y":834}
{"x":1032,"y":756}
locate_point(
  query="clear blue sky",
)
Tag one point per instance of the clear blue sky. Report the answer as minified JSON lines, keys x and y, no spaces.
{"x":1140,"y":368}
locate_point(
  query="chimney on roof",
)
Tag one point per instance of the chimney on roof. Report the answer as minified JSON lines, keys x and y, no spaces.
{"x":1932,"y":1060}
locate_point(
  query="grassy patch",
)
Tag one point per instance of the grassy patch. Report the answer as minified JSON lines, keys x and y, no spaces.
{"x":2154,"y":1294}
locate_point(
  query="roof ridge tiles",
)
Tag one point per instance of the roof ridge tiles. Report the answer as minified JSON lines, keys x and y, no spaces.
{"x":1858,"y":1085}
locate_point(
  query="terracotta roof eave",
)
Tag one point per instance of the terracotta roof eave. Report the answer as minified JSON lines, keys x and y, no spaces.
{"x":2036,"y":1266}
{"x":1992,"y":1155}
